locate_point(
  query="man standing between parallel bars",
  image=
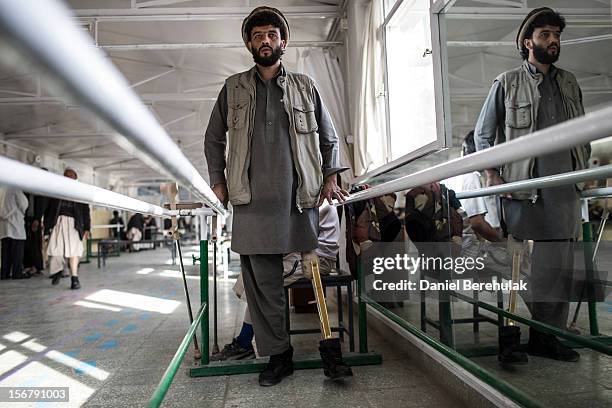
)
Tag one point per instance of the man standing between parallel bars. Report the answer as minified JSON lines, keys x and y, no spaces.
{"x":282,"y":160}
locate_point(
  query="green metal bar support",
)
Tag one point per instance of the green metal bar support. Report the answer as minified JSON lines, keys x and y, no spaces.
{"x":215,"y":368}
{"x":453,"y":355}
{"x":205,"y":347}
{"x":166,"y":380}
{"x":580,"y":340}
{"x":587,"y":238}
{"x":88,"y":250}
{"x":362,"y":310}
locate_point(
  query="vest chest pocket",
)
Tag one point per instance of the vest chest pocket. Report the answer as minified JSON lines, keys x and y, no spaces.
{"x":518,"y":115}
{"x":305,"y":119}
{"x":237,"y":114}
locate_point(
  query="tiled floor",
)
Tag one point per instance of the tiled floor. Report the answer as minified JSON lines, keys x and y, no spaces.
{"x":111,"y":341}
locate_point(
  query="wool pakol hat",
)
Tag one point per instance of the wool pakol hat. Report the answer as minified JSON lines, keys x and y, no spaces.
{"x":259,"y":10}
{"x":520,"y":36}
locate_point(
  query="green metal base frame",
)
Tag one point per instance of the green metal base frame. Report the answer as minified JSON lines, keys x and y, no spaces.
{"x":485,"y":350}
{"x":215,"y":368}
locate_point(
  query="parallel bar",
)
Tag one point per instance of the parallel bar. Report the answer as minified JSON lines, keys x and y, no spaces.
{"x":46,"y":32}
{"x":597,"y":192}
{"x":596,"y":173}
{"x":166,"y":380}
{"x":475,"y":369}
{"x":34,"y":180}
{"x":594,"y":125}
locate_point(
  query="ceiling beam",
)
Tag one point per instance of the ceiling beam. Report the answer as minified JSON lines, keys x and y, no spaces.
{"x":153,"y":3}
{"x":152,"y":78}
{"x":571,"y":41}
{"x":198,"y":13}
{"x":517,"y":13}
{"x":192,"y":46}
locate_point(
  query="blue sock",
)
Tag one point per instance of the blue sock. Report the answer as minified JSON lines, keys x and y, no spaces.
{"x":245,"y":338}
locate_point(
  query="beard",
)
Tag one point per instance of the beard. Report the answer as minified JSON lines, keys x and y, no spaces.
{"x":542,"y":55}
{"x":267,"y":61}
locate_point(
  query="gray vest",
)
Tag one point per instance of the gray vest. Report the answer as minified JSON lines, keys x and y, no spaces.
{"x":522,"y":98}
{"x":299,"y":101}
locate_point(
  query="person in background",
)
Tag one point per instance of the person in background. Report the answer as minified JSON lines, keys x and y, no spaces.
{"x":135,"y":228}
{"x":481,"y":211}
{"x":150,"y":226}
{"x":117,"y":233}
{"x":33,"y":262}
{"x":13,"y":204}
{"x":68,"y":224}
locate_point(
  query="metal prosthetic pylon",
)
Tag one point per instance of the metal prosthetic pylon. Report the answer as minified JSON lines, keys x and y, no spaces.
{"x":334,"y":366}
{"x":510,"y":333}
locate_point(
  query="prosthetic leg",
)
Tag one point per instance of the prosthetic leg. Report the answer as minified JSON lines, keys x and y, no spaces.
{"x":510,"y":333}
{"x":331,"y":352}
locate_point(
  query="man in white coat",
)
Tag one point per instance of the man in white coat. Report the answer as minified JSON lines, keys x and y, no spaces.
{"x":13,"y":205}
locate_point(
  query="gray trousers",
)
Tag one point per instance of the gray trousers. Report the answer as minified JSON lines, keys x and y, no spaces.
{"x":263,"y":285}
{"x":551,"y":282}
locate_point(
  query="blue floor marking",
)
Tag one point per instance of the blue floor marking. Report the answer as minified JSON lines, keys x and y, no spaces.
{"x":108,"y":345}
{"x":111,"y":323}
{"x":93,"y":337}
{"x":129,"y":328}
{"x":144,"y":316}
{"x":73,"y":353}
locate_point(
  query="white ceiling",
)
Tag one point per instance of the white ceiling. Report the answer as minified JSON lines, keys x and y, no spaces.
{"x":178,"y":85}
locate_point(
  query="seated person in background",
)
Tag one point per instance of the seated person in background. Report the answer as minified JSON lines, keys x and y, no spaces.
{"x":117,"y":233}
{"x":150,"y":226}
{"x":135,"y":227}
{"x":241,"y":347}
{"x":481,"y":211}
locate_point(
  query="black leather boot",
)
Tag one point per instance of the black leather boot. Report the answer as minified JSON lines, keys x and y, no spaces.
{"x":509,"y":343}
{"x":547,"y":345}
{"x":333,"y":365}
{"x":279,"y":367}
{"x":55,"y":278}
{"x":75,"y":284}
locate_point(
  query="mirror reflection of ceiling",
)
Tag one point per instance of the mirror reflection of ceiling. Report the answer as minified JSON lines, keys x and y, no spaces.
{"x":178,"y":84}
{"x":480,"y":44}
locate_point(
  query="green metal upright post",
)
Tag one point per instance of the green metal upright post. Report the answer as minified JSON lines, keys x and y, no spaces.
{"x":587,"y":238}
{"x":88,"y":256}
{"x":204,"y":299}
{"x":363,"y":313}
